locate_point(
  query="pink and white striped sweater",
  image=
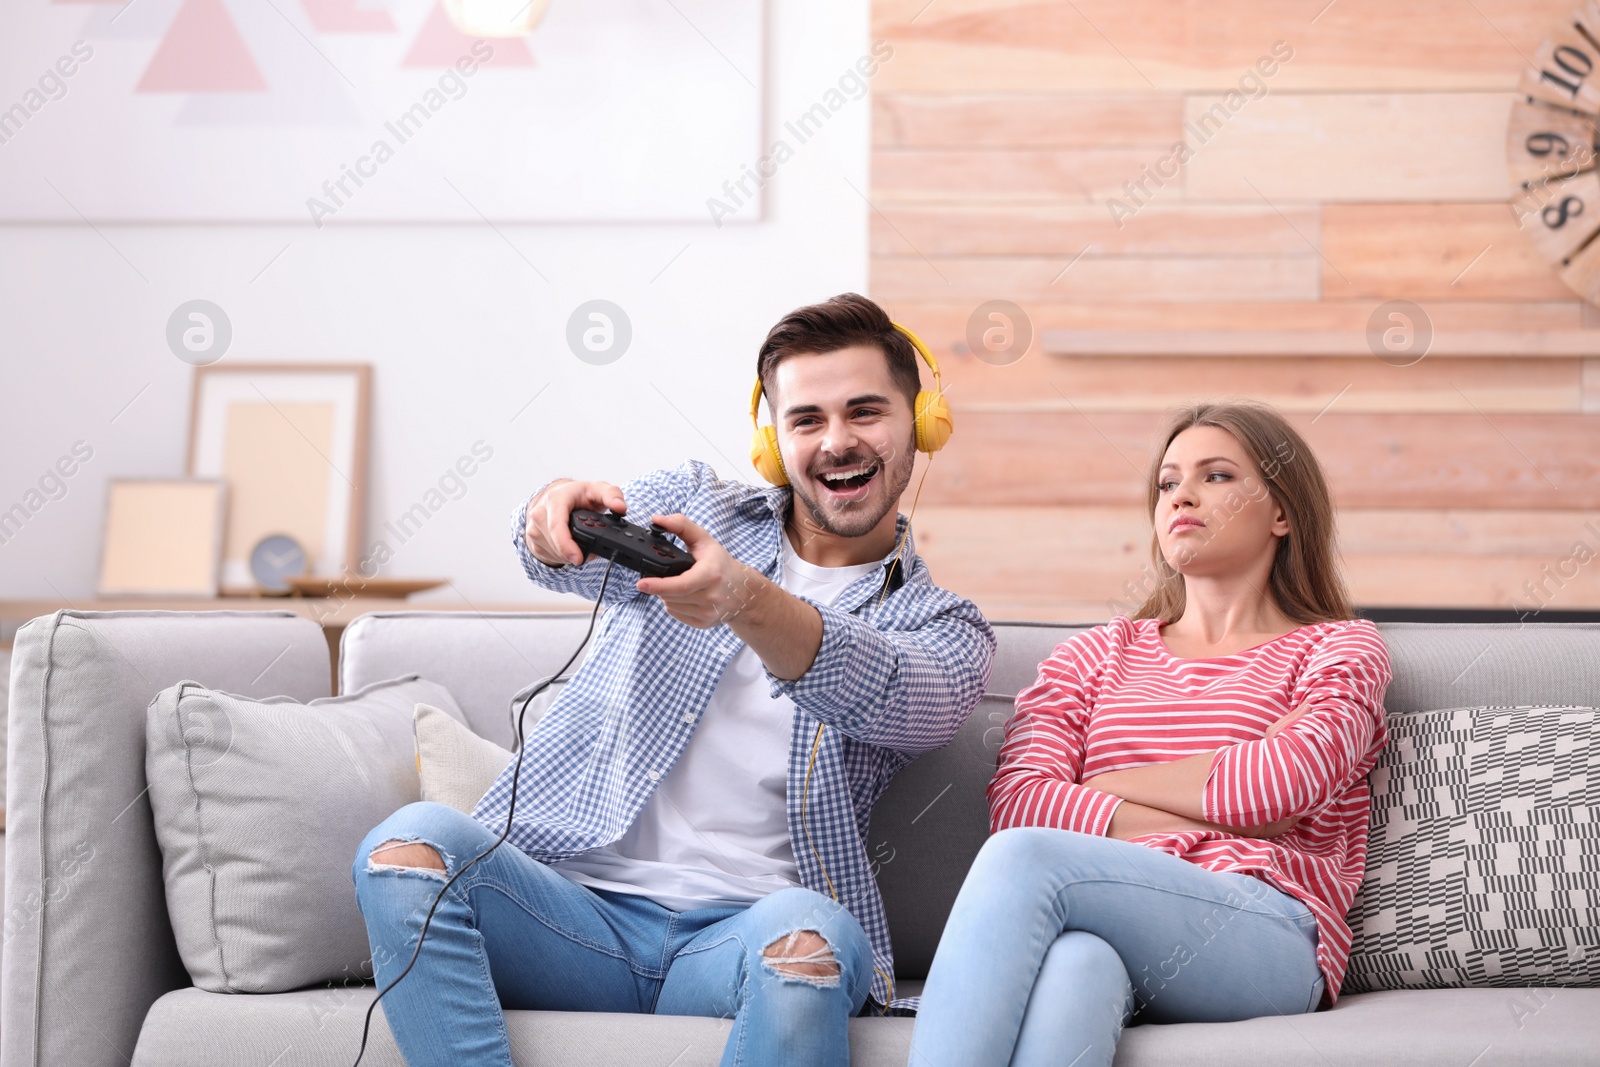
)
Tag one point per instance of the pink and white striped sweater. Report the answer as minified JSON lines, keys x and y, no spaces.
{"x":1114,"y":697}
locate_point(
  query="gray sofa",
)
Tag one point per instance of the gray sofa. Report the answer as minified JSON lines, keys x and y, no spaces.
{"x":92,"y":977}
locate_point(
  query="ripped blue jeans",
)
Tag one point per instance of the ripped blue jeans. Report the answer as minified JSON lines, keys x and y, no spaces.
{"x":514,"y":934}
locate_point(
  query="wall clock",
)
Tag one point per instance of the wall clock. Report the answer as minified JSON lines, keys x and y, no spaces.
{"x":1550,"y":151}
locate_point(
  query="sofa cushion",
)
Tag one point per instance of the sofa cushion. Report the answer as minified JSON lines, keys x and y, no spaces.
{"x":1483,"y":865}
{"x":87,"y":944}
{"x":457,"y":766}
{"x":1414,"y":1028}
{"x":259,"y":807}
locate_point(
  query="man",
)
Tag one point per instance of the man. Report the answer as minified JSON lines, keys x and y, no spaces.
{"x":690,"y":814}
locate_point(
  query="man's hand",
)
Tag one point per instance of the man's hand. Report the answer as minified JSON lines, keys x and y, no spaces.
{"x":549,"y":515}
{"x":713,"y":591}
{"x":782,"y":629}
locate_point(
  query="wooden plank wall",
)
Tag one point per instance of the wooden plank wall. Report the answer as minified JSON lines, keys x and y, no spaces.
{"x":1370,"y":166}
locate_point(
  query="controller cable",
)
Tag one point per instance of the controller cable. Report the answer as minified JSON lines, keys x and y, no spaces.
{"x":511,"y":812}
{"x":516,"y":774}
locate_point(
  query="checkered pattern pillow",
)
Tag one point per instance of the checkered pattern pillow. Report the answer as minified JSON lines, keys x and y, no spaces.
{"x":1483,"y":866}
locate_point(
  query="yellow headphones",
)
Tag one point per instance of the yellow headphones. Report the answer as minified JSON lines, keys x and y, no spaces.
{"x":931,"y":419}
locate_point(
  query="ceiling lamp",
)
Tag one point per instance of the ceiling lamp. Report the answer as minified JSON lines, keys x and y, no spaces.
{"x":495,"y":18}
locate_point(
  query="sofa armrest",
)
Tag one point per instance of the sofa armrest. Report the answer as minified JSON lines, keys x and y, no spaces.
{"x":87,"y":943}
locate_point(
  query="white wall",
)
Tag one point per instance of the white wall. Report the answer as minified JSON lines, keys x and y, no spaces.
{"x":460,"y":331}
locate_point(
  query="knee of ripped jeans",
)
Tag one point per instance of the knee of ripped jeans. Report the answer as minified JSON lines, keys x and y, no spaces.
{"x":803,"y":956}
{"x":407,"y":855}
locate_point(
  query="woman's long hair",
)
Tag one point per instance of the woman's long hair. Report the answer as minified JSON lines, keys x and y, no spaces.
{"x":1305,"y":583}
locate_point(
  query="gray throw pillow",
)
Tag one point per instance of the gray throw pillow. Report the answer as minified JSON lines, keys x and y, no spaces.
{"x":1483,"y":863}
{"x":259,"y":807}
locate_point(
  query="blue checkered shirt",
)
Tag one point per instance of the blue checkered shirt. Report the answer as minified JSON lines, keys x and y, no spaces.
{"x":891,"y":680}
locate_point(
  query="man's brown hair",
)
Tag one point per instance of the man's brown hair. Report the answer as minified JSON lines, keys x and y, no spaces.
{"x":843,"y":321}
{"x":1305,"y":583}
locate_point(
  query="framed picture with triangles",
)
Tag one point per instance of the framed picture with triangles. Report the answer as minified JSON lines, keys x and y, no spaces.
{"x":330,"y":112}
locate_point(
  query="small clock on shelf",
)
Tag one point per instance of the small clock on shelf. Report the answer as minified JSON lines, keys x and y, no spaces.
{"x":1550,"y":152}
{"x":275,"y":559}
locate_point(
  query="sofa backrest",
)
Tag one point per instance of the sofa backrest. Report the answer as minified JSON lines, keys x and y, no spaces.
{"x":925,"y":856}
{"x":483,"y":659}
{"x":88,"y":946}
{"x":933,"y":818}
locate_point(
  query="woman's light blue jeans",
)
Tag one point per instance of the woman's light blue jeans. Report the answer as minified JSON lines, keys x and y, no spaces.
{"x":1058,"y":939}
{"x":512,"y":933}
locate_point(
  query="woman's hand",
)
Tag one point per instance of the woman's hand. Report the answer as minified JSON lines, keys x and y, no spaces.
{"x":1152,"y":792}
{"x":1269,"y":830}
{"x":1273,"y":730}
{"x":1176,"y":785}
{"x":1131,"y":820}
{"x":1282,"y":826}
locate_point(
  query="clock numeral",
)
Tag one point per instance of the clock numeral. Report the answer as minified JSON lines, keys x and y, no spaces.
{"x":1560,"y":215}
{"x":1569,"y":207}
{"x":1562,"y":70}
{"x":1575,"y":63}
{"x":1547,"y":143}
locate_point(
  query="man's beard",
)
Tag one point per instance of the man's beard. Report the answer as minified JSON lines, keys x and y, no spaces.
{"x":857,"y":520}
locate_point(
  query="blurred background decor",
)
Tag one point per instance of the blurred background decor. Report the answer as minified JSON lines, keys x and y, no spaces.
{"x":163,"y":537}
{"x":291,"y":442}
{"x":333,"y":110}
{"x":1306,"y":203}
{"x":275,"y":560}
{"x":1091,"y":210}
{"x":1550,"y":151}
{"x":385,"y":588}
{"x":495,"y":18}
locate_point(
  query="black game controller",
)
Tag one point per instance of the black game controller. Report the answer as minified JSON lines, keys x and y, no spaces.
{"x":615,"y":538}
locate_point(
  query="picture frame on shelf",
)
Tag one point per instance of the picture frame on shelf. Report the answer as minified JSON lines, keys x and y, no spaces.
{"x":290,"y":439}
{"x":162,"y":537}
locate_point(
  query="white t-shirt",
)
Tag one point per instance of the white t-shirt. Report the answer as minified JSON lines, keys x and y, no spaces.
{"x":716,"y":830}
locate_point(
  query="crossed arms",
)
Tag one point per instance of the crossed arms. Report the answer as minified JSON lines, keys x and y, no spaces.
{"x":1258,"y":788}
{"x":1170,"y":797}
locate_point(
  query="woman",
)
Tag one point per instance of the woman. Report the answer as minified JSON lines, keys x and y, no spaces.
{"x":1180,"y":810}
